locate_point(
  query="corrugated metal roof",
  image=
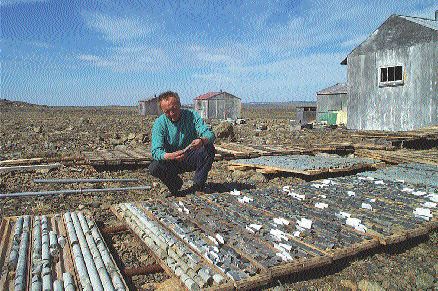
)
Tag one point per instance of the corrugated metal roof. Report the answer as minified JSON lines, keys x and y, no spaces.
{"x":405,"y":34}
{"x":433,"y":24}
{"x":339,"y":88}
{"x":207,"y":95}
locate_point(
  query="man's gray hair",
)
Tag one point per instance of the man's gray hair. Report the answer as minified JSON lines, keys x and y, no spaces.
{"x":166,"y":95}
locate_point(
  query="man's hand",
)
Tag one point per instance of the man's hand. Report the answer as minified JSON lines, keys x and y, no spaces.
{"x":197,"y":143}
{"x":176,"y":156}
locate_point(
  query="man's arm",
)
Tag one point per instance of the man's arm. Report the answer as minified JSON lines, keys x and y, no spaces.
{"x":157,"y":142}
{"x":204,"y":133}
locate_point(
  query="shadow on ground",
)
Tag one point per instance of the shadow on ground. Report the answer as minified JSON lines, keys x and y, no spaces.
{"x":339,"y":265}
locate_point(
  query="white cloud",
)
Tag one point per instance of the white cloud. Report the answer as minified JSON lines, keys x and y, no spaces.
{"x":354,"y":42}
{"x":136,"y":58}
{"x":41,"y":44}
{"x":129,"y":51}
{"x":118,"y":29}
{"x":294,"y":78}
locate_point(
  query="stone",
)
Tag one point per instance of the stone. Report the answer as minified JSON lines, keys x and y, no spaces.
{"x":366,"y":285}
{"x":258,"y":177}
{"x":238,"y":175}
{"x":145,"y":138}
{"x":131,"y":136}
{"x":349,"y":284}
{"x":95,"y":204}
{"x":224,"y":130}
{"x":115,"y":142}
{"x":424,"y":281}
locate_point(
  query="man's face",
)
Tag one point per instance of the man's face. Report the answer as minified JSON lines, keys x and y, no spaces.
{"x":171,"y":108}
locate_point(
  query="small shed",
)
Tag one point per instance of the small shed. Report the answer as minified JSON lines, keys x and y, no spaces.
{"x":332,"y":104}
{"x":305,"y":114}
{"x":149,"y":106}
{"x":218,"y":105}
{"x":392,"y":76}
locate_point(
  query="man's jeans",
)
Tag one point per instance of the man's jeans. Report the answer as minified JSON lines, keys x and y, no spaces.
{"x":199,"y":160}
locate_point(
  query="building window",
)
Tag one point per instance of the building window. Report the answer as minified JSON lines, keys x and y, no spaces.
{"x":391,"y":76}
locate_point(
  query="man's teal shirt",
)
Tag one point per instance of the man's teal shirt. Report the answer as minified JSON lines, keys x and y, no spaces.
{"x":168,"y":136}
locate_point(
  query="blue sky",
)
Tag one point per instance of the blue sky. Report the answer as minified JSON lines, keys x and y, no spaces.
{"x":117,"y":52}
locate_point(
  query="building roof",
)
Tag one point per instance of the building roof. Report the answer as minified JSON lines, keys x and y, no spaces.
{"x":433,"y":24}
{"x":212,"y":94}
{"x":339,"y":88}
{"x":404,"y":31}
{"x":207,"y":95}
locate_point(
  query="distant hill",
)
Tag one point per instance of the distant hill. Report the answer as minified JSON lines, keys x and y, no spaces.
{"x":4,"y":103}
{"x":278,"y":104}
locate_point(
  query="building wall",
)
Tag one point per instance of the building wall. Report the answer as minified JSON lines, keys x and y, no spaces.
{"x":305,"y":116}
{"x":332,"y":102}
{"x":221,"y":106}
{"x":409,"y":106}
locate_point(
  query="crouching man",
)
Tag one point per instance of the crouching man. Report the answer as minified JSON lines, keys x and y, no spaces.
{"x":181,"y":142}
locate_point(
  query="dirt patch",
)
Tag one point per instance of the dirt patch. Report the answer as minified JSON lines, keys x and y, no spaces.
{"x":58,"y":132}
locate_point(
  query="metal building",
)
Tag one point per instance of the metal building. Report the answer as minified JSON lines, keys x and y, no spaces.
{"x":149,"y":106}
{"x":305,"y":114}
{"x":393,"y":76}
{"x":332,"y":104}
{"x":218,"y":105}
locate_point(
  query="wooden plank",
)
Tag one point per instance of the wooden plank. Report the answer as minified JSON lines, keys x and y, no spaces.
{"x":234,"y":153}
{"x":269,"y":169}
{"x":94,"y":158}
{"x":239,"y":168}
{"x":401,"y":156}
{"x":19,"y":162}
{"x":5,"y":244}
{"x":134,"y":154}
{"x":254,"y":152}
{"x":29,"y":168}
{"x":299,"y":266}
{"x":145,"y":153}
{"x":109,"y":157}
{"x":355,"y":249}
{"x":124,"y":157}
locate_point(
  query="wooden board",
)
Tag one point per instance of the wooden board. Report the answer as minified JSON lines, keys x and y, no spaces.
{"x":402,"y":156}
{"x":276,"y":170}
{"x":29,"y":168}
{"x":19,"y":162}
{"x":118,"y":156}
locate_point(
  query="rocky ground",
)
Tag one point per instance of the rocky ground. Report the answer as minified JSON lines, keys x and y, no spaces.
{"x":33,"y":131}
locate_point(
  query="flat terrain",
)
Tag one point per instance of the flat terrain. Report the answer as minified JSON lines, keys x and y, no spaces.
{"x":34,"y":131}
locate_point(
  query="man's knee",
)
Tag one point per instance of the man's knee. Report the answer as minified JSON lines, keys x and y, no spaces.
{"x":154,"y":168}
{"x":210,"y":150}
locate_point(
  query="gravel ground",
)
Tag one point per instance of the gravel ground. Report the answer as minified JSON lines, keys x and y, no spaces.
{"x":46,"y":132}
